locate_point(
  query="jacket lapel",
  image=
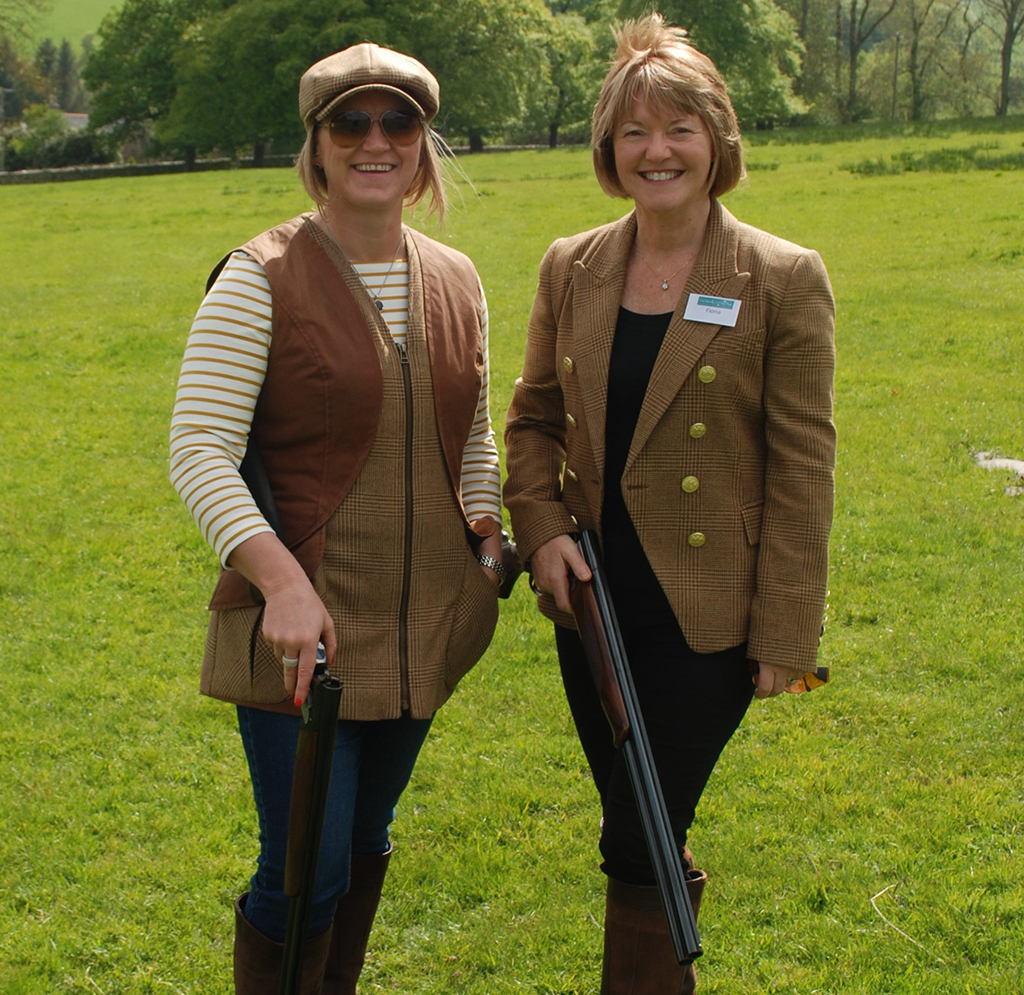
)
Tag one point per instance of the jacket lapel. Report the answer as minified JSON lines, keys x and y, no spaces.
{"x":597,"y":284}
{"x":716,"y":274}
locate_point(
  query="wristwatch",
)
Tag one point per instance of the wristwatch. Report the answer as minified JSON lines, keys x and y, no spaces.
{"x":493,"y":564}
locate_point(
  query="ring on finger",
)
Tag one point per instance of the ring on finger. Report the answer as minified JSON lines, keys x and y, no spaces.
{"x":290,"y":662}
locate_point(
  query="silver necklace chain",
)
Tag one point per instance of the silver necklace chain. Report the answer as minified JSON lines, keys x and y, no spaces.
{"x":667,"y":279}
{"x":377,"y":302}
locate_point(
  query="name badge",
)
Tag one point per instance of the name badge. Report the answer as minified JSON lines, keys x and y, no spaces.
{"x":712,"y":310}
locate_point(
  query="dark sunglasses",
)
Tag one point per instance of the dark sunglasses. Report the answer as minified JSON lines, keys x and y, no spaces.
{"x":349,"y":128}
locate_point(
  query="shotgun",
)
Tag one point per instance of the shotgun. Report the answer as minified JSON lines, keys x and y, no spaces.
{"x":602,"y":643}
{"x":314,"y":755}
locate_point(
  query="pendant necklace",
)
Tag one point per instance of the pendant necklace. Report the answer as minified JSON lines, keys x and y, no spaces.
{"x":667,"y":279}
{"x":377,"y":302}
{"x":321,"y":220}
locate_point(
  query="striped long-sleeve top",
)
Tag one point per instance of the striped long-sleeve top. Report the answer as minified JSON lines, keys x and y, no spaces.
{"x":221,"y":376}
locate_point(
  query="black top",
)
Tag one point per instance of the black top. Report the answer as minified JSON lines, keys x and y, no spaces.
{"x":638,"y":339}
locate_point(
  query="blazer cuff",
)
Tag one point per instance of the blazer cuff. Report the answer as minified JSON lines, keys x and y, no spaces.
{"x":538,"y":523}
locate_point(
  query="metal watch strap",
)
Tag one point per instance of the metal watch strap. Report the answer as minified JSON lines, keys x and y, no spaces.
{"x":493,"y":564}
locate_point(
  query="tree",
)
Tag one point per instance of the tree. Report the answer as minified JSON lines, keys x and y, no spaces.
{"x":130,"y":70}
{"x":927,"y":22}
{"x":592,"y":11}
{"x":862,"y":22}
{"x":816,"y":83}
{"x":18,"y":16}
{"x":67,"y":85}
{"x":966,"y":69}
{"x":754,"y":45}
{"x":487,"y":56}
{"x":46,"y":58}
{"x":573,"y":75}
{"x":19,"y":75}
{"x":1007,"y":17}
{"x":237,"y":74}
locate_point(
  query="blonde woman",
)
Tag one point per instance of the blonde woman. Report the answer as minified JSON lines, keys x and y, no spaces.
{"x":676,"y":396}
{"x":351,"y":350}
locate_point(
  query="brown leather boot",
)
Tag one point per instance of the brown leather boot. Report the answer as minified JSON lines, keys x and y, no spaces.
{"x":258,"y":959}
{"x":638,"y":954}
{"x":353,"y":921}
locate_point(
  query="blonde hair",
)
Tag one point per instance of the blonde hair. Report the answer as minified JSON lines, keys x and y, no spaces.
{"x":655,"y":63}
{"x":428,"y":177}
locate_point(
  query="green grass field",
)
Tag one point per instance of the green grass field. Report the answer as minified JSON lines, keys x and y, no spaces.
{"x":864,"y":839}
{"x":72,"y":19}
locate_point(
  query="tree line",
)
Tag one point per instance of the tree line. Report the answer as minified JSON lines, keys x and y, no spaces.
{"x":197,"y":76}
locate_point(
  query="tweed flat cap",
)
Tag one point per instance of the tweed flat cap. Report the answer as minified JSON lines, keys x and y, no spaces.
{"x":363,"y":67}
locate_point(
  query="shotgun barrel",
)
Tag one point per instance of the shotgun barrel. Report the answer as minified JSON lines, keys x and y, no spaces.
{"x":314,"y":755}
{"x":606,"y":655}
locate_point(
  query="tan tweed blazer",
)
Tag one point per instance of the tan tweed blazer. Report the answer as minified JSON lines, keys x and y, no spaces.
{"x":729,"y":479}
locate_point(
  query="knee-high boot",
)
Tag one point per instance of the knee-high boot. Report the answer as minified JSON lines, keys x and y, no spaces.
{"x":353,"y":921}
{"x":258,"y":959}
{"x":638,"y":954}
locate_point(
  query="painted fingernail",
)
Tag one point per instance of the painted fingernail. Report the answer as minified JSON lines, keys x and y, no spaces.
{"x":298,"y":703}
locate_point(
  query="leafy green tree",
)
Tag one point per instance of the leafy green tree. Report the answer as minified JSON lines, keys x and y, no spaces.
{"x":863,"y":19}
{"x":925,"y":24}
{"x":22,"y":85}
{"x":817,"y":82}
{"x":18,"y":16}
{"x":46,"y":58}
{"x":754,"y":45}
{"x":1005,"y":19}
{"x":573,"y":76}
{"x":130,"y":70}
{"x":67,"y":84}
{"x":592,"y":11}
{"x":487,"y":56}
{"x":237,"y":73}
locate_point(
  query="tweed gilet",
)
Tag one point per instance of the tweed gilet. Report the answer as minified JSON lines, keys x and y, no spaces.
{"x":412,"y":609}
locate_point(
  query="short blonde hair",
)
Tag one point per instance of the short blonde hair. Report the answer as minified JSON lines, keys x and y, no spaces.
{"x":428,"y":177}
{"x":655,"y":63}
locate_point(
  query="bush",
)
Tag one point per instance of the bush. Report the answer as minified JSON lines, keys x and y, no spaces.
{"x":45,"y":143}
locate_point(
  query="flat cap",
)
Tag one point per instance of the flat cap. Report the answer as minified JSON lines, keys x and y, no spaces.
{"x":363,"y":67}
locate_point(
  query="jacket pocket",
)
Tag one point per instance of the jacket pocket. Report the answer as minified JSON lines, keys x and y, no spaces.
{"x":751,"y":515}
{"x":476,"y":615}
{"x":238,"y":664}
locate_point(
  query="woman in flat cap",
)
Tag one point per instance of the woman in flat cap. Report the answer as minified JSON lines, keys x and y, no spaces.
{"x":676,"y":397}
{"x":350,"y":351}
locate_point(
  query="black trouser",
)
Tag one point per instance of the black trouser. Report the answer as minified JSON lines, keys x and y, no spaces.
{"x":692,"y":703}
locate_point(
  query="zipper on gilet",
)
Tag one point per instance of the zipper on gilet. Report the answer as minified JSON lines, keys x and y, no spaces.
{"x":403,"y":611}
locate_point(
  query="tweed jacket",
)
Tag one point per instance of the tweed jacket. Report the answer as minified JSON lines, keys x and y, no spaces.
{"x":729,"y":478}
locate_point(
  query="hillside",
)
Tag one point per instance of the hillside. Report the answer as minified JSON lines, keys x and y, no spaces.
{"x":72,"y":19}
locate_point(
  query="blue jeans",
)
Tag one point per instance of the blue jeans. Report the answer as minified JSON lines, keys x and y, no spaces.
{"x":372,"y":765}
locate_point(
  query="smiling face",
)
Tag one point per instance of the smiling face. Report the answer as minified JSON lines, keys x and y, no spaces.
{"x":663,"y":159}
{"x":375,"y":174}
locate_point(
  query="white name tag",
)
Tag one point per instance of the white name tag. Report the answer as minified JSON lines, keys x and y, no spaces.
{"x":712,"y":310}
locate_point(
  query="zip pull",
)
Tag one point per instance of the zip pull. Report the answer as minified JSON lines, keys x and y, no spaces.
{"x":403,"y":352}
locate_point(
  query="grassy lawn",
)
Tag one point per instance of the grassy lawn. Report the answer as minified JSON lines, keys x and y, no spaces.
{"x":72,"y":19}
{"x":862,"y":839}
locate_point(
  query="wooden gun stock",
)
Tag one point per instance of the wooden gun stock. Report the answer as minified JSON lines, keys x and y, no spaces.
{"x":594,"y":637}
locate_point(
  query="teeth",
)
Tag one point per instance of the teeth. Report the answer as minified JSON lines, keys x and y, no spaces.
{"x":660,"y":176}
{"x":374,"y":167}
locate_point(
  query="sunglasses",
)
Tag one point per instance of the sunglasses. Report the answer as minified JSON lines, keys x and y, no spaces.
{"x":348,"y":128}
